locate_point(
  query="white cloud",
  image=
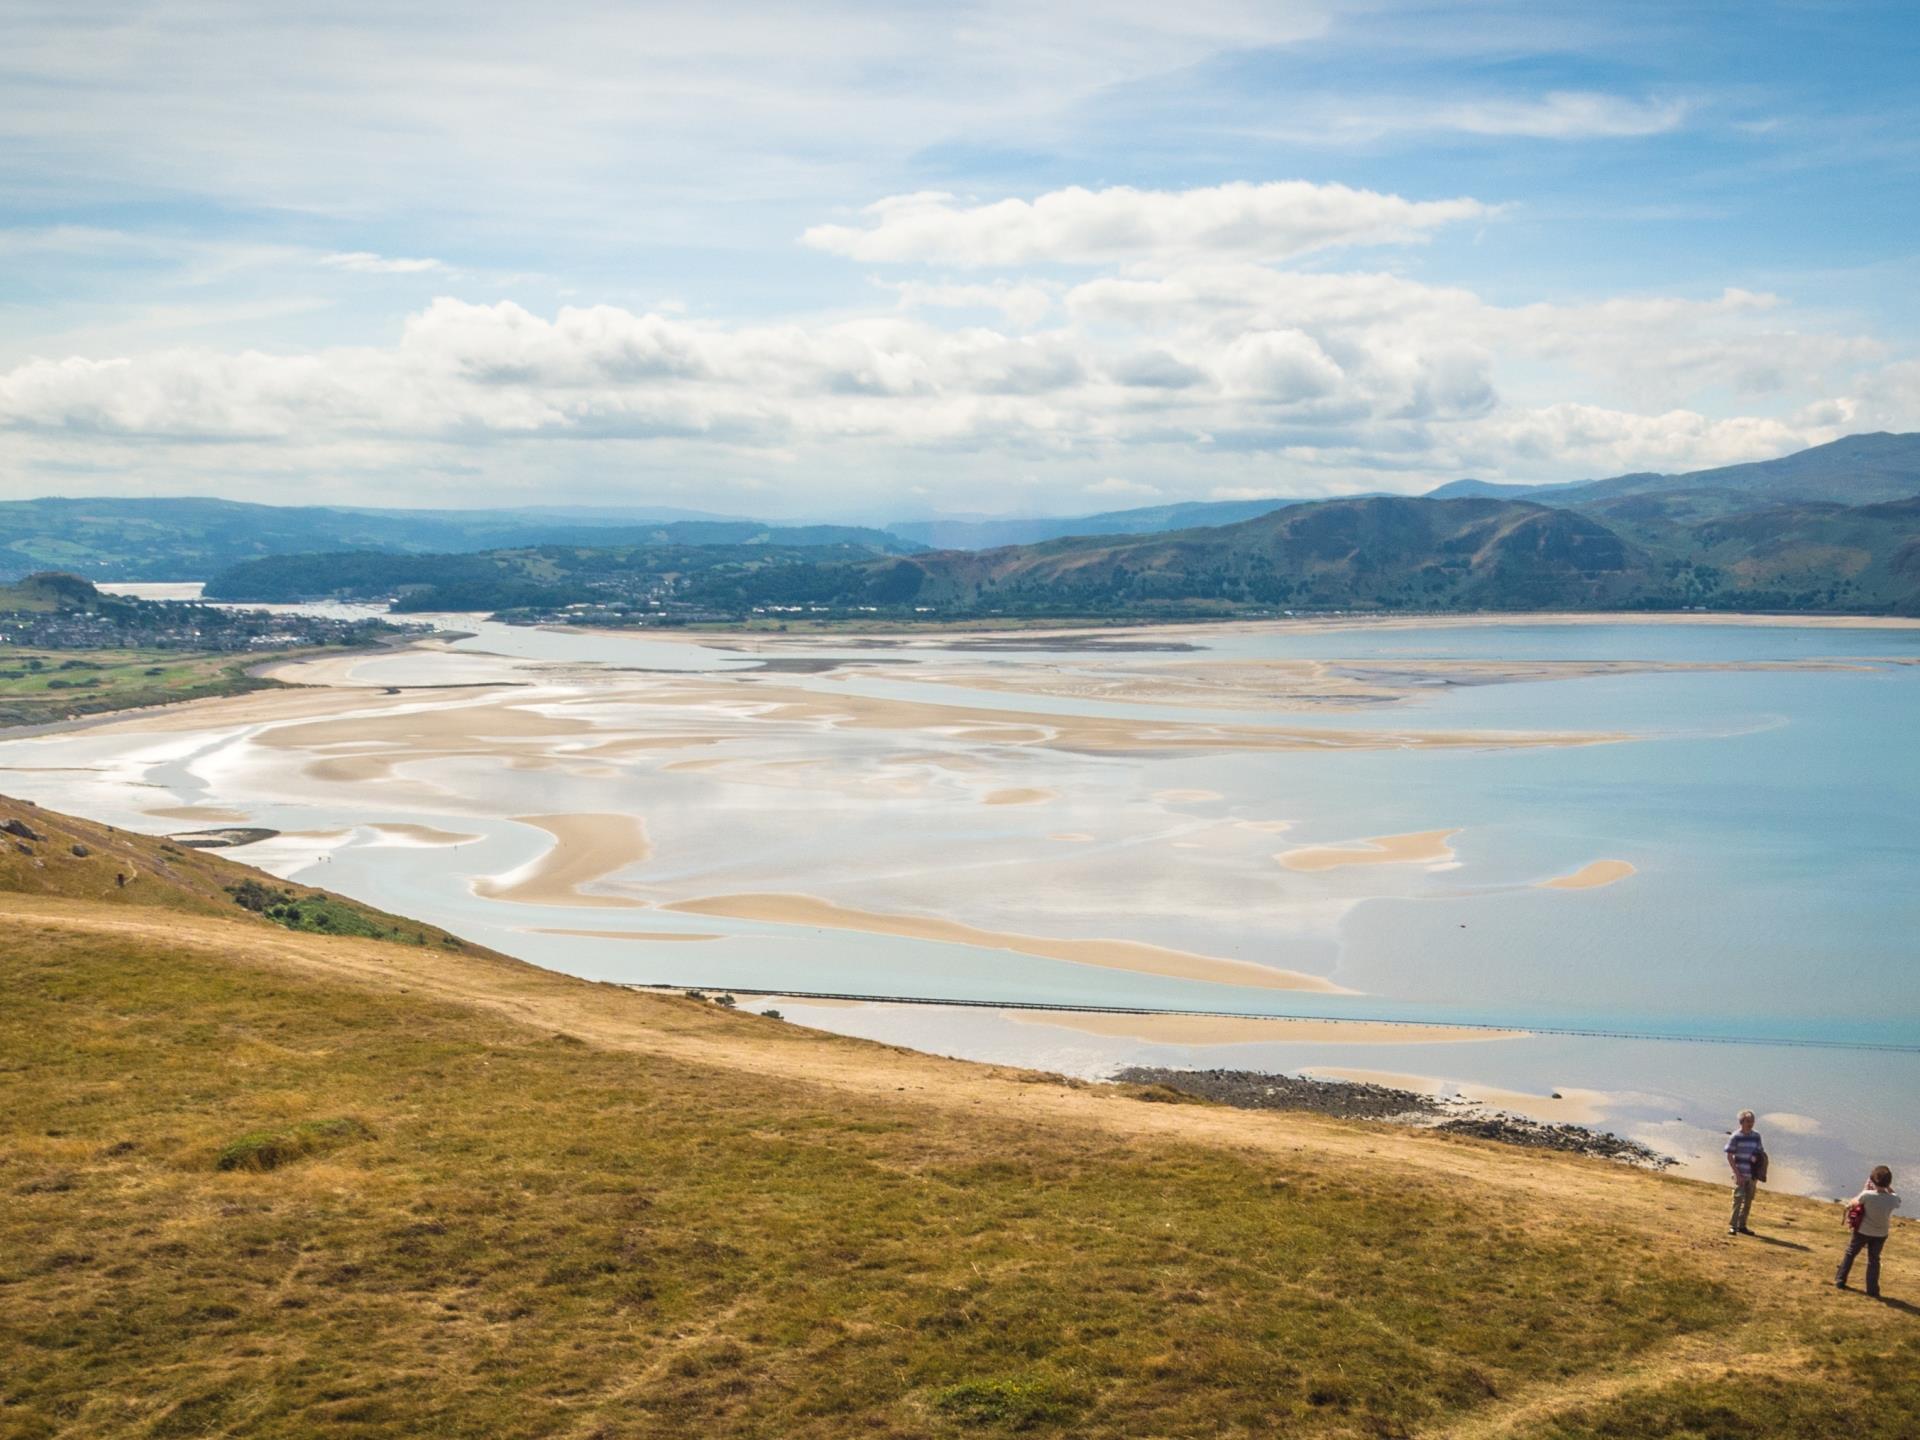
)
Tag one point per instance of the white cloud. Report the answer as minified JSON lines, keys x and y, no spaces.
{"x":1024,"y":304}
{"x":1209,"y":376}
{"x":365,"y":262}
{"x":1278,"y":220}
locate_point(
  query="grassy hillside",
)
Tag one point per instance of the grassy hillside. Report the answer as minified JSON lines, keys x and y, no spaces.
{"x":47,"y":855}
{"x":279,"y":1185}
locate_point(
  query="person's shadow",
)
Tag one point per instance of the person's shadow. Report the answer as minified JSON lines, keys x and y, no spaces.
{"x":1905,"y":1307}
{"x":1779,"y":1243}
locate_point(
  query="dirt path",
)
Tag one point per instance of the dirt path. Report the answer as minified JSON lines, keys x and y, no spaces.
{"x":1786,"y":1270}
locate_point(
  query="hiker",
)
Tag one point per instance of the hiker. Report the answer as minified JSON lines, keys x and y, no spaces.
{"x":1747,"y":1158}
{"x":1871,"y":1216}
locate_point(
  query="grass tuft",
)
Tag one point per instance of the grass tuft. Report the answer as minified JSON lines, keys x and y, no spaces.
{"x":265,"y":1150}
{"x":1017,"y":1402}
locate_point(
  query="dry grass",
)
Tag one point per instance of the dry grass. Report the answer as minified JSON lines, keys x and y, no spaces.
{"x":255,"y":1183}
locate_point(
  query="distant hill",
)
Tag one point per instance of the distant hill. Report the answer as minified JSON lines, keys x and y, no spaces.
{"x":1147,"y":520}
{"x":192,"y":539}
{"x":543,"y":577}
{"x":1854,"y":470}
{"x":1389,"y":553}
{"x":1381,"y":552}
{"x":51,"y":591}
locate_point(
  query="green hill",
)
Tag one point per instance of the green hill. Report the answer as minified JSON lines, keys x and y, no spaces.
{"x":1405,"y":554}
{"x":275,"y":1184}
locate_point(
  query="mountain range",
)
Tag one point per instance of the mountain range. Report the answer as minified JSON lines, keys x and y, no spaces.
{"x":192,"y":539}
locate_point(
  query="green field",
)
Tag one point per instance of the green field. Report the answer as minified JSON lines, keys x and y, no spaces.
{"x":41,"y":686}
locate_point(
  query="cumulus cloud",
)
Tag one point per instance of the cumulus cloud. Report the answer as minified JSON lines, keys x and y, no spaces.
{"x":1279,"y":220}
{"x":1025,"y":304}
{"x":1347,"y":380}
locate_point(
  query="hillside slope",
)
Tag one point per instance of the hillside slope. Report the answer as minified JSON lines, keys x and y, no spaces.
{"x":1382,"y":552}
{"x":273,"y":1184}
{"x":47,"y":855}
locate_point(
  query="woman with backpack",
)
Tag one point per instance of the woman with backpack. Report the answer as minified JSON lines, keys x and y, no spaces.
{"x":1869,"y":1216}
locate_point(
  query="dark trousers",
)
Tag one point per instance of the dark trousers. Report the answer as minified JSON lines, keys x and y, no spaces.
{"x":1855,"y":1244}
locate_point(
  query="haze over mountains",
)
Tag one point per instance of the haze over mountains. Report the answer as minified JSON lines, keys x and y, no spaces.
{"x":1779,"y":535}
{"x":1832,"y":528}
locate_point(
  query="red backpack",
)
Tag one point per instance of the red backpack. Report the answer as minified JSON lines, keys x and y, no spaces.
{"x":1856,"y":1212}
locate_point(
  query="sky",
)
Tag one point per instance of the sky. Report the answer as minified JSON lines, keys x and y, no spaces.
{"x":876,"y":261}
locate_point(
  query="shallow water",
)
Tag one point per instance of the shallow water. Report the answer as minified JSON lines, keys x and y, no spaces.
{"x":1768,"y":815}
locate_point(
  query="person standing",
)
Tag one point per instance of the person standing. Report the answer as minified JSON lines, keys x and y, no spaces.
{"x":1746,"y":1155}
{"x":1877,"y":1203}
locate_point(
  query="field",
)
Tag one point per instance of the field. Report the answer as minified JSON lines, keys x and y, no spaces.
{"x":265,"y":1183}
{"x":38,"y":687}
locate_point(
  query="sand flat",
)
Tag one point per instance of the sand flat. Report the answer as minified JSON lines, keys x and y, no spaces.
{"x":421,"y":836}
{"x":1020,"y":796}
{"x":1420,"y":847}
{"x":812,"y":912}
{"x":1590,"y":876}
{"x":1090,"y":734}
{"x":1254,"y":1030}
{"x":585,"y":848}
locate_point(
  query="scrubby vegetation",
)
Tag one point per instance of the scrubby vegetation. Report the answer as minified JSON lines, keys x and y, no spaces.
{"x":319,"y":913}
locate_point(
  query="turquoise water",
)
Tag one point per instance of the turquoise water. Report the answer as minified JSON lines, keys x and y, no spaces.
{"x":1769,"y":815}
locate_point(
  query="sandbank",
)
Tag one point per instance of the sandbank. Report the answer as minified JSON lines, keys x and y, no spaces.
{"x":1307,"y":685}
{"x":1092,"y":734}
{"x":1590,"y":876}
{"x":1574,"y":1107}
{"x":1254,"y":1030}
{"x":1421,"y":847}
{"x":585,"y":848}
{"x":422,"y":836}
{"x":1020,"y":797}
{"x":812,"y":912}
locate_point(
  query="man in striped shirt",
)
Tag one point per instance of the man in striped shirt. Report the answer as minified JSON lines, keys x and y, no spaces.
{"x":1743,"y":1149}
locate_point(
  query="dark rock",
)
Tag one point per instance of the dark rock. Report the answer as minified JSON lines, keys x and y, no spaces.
{"x":1253,"y":1090}
{"x":82,"y":851}
{"x":20,"y":828}
{"x":1576,"y":1139}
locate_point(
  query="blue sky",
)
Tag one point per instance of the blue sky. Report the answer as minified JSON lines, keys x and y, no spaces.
{"x":878,"y":260}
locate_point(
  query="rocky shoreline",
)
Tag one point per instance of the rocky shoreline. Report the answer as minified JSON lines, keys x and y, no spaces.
{"x":1353,"y":1100}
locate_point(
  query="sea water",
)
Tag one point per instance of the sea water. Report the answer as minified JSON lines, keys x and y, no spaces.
{"x":1763,"y":954}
